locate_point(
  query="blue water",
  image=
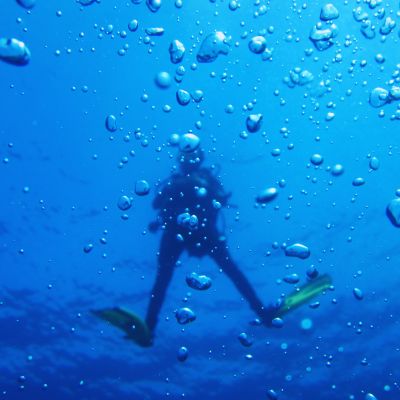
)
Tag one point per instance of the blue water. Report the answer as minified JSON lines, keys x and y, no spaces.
{"x":62,"y":174}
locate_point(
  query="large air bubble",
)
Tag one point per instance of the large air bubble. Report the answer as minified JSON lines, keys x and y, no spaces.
{"x":297,"y":250}
{"x":185,"y":315}
{"x":379,"y":97}
{"x":189,"y":142}
{"x":28,"y":4}
{"x":212,"y":46}
{"x":14,"y":52}
{"x":329,"y":12}
{"x":176,"y":51}
{"x":198,"y":282}
{"x":393,"y":212}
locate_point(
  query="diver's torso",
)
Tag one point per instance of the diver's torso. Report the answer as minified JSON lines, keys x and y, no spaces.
{"x":193,"y":196}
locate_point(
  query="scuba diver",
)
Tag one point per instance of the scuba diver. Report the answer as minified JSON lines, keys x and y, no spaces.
{"x":189,"y":205}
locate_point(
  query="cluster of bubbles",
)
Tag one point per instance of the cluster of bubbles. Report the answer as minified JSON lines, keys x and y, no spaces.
{"x":298,"y":77}
{"x":186,"y":315}
{"x":152,"y":5}
{"x":370,"y":24}
{"x":142,"y":188}
{"x":390,"y":92}
{"x":190,"y":222}
{"x":380,"y":96}
{"x":323,"y":33}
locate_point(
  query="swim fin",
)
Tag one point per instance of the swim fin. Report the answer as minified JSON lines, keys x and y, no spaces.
{"x":134,"y":327}
{"x":304,"y":294}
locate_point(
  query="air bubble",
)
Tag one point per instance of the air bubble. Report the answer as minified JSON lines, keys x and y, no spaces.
{"x":198,"y":282}
{"x":124,"y":203}
{"x":257,"y":44}
{"x":297,"y":250}
{"x":329,"y":12}
{"x":176,"y":51}
{"x":28,"y":4}
{"x":14,"y":52}
{"x":393,"y":212}
{"x":142,"y":188}
{"x":163,"y":80}
{"x":267,"y":195}
{"x":316,"y":159}
{"x":183,"y":97}
{"x":185,"y":315}
{"x":111,"y":123}
{"x":254,"y":122}
{"x":183,"y":354}
{"x":358,"y":294}
{"x":133,"y":25}
{"x":212,"y":46}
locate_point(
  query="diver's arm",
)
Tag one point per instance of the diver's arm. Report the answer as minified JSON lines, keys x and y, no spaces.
{"x":216,"y":187}
{"x":170,"y":190}
{"x":163,"y":195}
{"x":159,"y":201}
{"x":162,"y":200}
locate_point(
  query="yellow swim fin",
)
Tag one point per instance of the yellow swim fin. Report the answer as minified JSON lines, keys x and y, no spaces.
{"x":304,"y":294}
{"x":134,"y":327}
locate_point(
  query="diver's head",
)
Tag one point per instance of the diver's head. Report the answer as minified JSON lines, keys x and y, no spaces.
{"x":190,"y":161}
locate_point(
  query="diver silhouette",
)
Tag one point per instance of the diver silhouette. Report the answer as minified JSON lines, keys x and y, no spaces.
{"x":196,"y":192}
{"x":189,"y":204}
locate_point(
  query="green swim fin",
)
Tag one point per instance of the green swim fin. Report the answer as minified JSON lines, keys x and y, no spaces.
{"x":134,"y":327}
{"x":304,"y":294}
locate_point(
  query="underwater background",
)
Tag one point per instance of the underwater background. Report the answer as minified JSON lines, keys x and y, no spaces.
{"x":89,"y":107}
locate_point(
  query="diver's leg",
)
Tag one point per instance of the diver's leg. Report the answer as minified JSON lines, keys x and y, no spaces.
{"x":170,"y":250}
{"x":222,"y":257}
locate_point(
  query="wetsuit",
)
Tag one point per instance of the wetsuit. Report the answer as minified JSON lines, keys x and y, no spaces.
{"x":201,"y":194}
